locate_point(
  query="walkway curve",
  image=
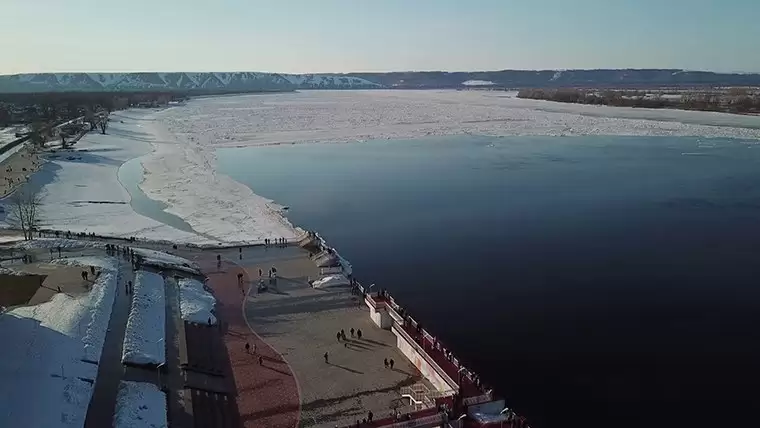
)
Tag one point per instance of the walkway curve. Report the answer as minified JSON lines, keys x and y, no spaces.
{"x":269,"y":394}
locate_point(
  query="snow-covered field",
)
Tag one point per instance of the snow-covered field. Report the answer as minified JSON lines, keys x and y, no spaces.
{"x":176,"y":147}
{"x":43,"y":348}
{"x":144,"y":337}
{"x":195,"y":303}
{"x":139,"y":405}
{"x":81,"y":191}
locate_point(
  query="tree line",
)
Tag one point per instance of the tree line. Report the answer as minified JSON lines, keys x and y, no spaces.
{"x":735,"y":100}
{"x":57,"y":106}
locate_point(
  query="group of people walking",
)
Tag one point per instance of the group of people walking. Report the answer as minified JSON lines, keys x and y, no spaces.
{"x":280,"y":242}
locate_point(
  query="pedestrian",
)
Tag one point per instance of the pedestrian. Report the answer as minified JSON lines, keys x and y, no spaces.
{"x":51,"y":254}
{"x":369,"y":416}
{"x":59,"y":251}
{"x":260,"y":272}
{"x":247,"y":348}
{"x":353,"y":332}
{"x":209,"y":321}
{"x":59,"y":288}
{"x":385,"y":362}
{"x":82,"y":275}
{"x":359,"y":334}
{"x":261,"y":360}
{"x":240,"y":278}
{"x":92,"y":270}
{"x":326,"y":360}
{"x":218,"y":261}
{"x":337,"y":336}
{"x":390,"y":363}
{"x":342,"y":334}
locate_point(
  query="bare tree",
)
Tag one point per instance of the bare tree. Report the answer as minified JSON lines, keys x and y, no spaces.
{"x":24,"y":211}
{"x":103,"y":124}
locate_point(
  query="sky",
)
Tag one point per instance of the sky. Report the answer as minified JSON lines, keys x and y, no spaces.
{"x":310,"y":36}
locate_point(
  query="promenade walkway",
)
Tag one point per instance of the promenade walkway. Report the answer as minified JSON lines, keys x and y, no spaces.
{"x":267,"y":394}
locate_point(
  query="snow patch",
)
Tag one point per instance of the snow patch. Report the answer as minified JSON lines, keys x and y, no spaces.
{"x":140,"y":404}
{"x":478,"y":83}
{"x":144,"y":337}
{"x":331,"y":281}
{"x":165,"y":259}
{"x":195,"y":303}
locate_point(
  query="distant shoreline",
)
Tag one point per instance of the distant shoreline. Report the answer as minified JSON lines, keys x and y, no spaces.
{"x":741,"y":101}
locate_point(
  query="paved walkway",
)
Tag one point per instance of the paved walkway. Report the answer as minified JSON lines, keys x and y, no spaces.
{"x":267,"y":394}
{"x":110,"y":370}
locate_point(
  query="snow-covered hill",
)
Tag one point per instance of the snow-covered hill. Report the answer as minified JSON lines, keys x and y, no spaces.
{"x":177,"y":81}
{"x":329,"y":81}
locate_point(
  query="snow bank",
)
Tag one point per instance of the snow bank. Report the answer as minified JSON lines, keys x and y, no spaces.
{"x":331,"y":281}
{"x":139,"y":405}
{"x":181,"y":174}
{"x":104,"y":291}
{"x":195,"y":303}
{"x":43,"y":349}
{"x":57,"y":242}
{"x":165,"y":258}
{"x":144,"y":337}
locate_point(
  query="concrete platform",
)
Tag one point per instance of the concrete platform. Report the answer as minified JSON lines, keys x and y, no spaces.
{"x":301,"y":323}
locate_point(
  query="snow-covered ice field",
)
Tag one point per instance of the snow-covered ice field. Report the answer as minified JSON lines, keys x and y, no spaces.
{"x":140,"y":405}
{"x":176,"y":147}
{"x":144,"y":337}
{"x":43,"y":349}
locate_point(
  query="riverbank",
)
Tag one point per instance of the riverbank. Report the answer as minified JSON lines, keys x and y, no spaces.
{"x":16,"y":166}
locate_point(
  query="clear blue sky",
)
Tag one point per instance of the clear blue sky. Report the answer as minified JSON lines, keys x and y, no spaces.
{"x":362,"y":35}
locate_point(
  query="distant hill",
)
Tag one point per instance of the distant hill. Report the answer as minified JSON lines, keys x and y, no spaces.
{"x":179,"y":82}
{"x":195,"y":83}
{"x":560,"y":78}
{"x":329,"y":81}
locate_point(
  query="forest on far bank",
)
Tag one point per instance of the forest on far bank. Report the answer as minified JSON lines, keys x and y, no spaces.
{"x":732,"y":100}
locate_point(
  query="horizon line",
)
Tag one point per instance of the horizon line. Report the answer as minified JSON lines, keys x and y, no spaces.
{"x":396,"y":71}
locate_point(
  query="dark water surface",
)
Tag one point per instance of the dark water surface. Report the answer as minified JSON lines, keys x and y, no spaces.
{"x":594,"y":281}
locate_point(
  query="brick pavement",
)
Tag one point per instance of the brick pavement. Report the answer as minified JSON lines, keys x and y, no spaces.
{"x":267,"y":395}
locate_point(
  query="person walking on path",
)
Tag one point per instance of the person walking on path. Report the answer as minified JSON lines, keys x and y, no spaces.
{"x":260,"y":273}
{"x":218,"y":261}
{"x":390,"y":363}
{"x":326,"y":359}
{"x":353,"y":332}
{"x":92,"y":270}
{"x":342,"y":334}
{"x":359,"y":334}
{"x":59,"y":251}
{"x":247,"y":348}
{"x":370,"y":416}
{"x":261,"y":360}
{"x":385,"y":362}
{"x":51,"y":254}
{"x":337,"y":336}
{"x":240,"y":253}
